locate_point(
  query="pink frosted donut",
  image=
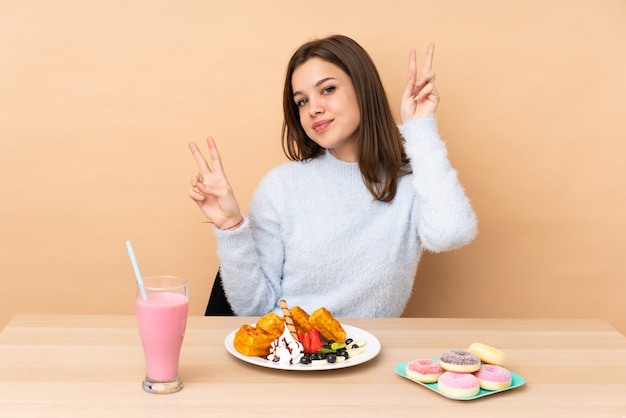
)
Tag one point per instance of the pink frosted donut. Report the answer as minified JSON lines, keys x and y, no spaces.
{"x":424,"y":370}
{"x":461,"y":361}
{"x":458,"y":385}
{"x":492,"y":377}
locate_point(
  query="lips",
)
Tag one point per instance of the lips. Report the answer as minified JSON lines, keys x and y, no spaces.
{"x":319,"y":126}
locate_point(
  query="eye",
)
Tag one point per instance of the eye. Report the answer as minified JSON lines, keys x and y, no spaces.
{"x":329,"y":90}
{"x":301,"y":102}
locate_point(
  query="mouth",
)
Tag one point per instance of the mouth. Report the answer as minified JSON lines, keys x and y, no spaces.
{"x":321,"y":125}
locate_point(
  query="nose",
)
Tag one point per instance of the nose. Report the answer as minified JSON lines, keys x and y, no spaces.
{"x":315,"y":107}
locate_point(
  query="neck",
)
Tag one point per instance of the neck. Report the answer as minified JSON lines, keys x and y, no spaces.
{"x":345,"y":157}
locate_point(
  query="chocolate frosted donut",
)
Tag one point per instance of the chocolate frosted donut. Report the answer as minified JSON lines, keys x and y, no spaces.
{"x":461,"y":361}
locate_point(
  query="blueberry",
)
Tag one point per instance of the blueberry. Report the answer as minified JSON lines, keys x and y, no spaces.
{"x":354,"y":346}
{"x":331,"y":358}
{"x":305,"y":360}
{"x":349,"y":341}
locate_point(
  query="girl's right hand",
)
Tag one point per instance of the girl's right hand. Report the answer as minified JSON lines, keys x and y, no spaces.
{"x":211,"y":191}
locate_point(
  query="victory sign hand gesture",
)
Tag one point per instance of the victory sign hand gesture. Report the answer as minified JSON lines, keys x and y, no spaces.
{"x":420,"y":97}
{"x":211,"y":191}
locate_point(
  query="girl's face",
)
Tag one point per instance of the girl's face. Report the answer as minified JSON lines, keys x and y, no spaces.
{"x":329,"y":111}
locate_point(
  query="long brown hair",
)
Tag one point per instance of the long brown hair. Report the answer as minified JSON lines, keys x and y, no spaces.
{"x":380,"y":150}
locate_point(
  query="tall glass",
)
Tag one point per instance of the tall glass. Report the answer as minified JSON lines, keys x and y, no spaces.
{"x":162,"y":319}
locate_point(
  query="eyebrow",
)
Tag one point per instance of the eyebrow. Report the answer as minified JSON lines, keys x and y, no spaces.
{"x":319,"y":83}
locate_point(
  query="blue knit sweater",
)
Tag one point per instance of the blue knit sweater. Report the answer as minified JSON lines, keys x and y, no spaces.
{"x":315,"y":236}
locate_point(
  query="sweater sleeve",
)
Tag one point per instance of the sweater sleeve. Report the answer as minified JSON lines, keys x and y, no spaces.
{"x":251,"y":256}
{"x":444,"y":216}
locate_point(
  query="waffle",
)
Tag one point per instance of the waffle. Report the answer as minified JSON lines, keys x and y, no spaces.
{"x":256,"y":340}
{"x":252,"y":341}
{"x":300,"y":319}
{"x":327,"y":325}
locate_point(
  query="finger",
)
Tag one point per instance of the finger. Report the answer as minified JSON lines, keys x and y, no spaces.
{"x":200,"y":161}
{"x":428,"y":61}
{"x":216,"y":160}
{"x":412,"y":64}
{"x":196,"y":178}
{"x":426,"y":91}
{"x":212,"y":190}
{"x":425,"y":80}
{"x":412,"y":74}
{"x":196,"y":196}
{"x":427,"y":75}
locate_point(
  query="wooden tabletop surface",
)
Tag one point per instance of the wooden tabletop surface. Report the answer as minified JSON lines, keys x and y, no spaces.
{"x":91,"y":366}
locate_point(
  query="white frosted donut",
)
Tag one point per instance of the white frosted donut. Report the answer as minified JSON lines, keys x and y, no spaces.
{"x":492,"y":377}
{"x":488,"y":354}
{"x":424,"y":370}
{"x":461,"y":361}
{"x":458,"y":385}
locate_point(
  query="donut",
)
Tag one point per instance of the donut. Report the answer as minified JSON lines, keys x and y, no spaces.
{"x":491,"y":377}
{"x":487,"y":354}
{"x":461,"y":361}
{"x":424,"y":370}
{"x":458,"y":385}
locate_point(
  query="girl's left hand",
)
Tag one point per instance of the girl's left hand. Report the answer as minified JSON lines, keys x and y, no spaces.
{"x":420,"y":98}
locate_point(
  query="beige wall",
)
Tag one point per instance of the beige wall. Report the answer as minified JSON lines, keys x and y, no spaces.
{"x":98,"y":100}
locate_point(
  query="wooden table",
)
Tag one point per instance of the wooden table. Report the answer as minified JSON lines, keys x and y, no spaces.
{"x":89,"y":366}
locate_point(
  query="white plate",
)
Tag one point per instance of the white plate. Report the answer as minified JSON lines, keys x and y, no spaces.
{"x":370,"y":350}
